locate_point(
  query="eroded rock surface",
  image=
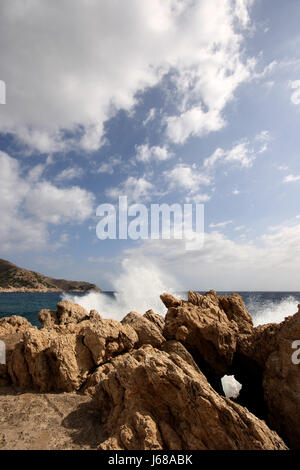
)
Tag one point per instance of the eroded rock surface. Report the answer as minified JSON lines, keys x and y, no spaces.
{"x":150,"y":399}
{"x":158,"y":320}
{"x":69,"y":346}
{"x":155,"y":380}
{"x":13,"y":325}
{"x":11,"y":333}
{"x":271,"y":379}
{"x":208,"y":326}
{"x":146,"y":329}
{"x":67,"y":312}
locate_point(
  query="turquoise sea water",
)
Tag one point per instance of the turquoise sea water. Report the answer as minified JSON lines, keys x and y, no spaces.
{"x":264,"y":307}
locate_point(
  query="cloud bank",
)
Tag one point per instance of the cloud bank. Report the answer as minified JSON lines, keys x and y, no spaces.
{"x":68,"y":69}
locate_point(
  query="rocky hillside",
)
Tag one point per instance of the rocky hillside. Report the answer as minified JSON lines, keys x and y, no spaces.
{"x":154,"y":383}
{"x":16,"y":279}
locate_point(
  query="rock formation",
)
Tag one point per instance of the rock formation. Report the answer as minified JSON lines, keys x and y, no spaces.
{"x":155,"y":383}
{"x":150,"y":399}
{"x":11,"y":333}
{"x":158,"y":320}
{"x":219,"y":334}
{"x":271,"y":381}
{"x":147,"y":331}
{"x":208,"y":326}
{"x":69,"y":345}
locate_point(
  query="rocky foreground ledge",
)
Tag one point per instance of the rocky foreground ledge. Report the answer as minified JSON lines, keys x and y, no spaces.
{"x":148,"y":382}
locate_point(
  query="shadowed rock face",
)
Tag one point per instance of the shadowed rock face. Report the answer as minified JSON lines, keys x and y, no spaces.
{"x":155,"y":381}
{"x":249,"y":363}
{"x":208,"y":326}
{"x":151,"y":399}
{"x":268,"y":353}
{"x":219,"y":334}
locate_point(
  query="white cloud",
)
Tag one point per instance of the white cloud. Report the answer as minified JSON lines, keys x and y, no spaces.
{"x":221,"y":224}
{"x":69,"y":174}
{"x":267,"y":70}
{"x":291,"y":178}
{"x":144,"y":153}
{"x":295,"y":85}
{"x":28,"y":205}
{"x":109,"y":166}
{"x":36,"y":172}
{"x":243,"y":153}
{"x":56,"y":206}
{"x":198,"y":198}
{"x":282,"y":168}
{"x":211,"y":161}
{"x":77,"y":65}
{"x":224,"y":264}
{"x":194,"y":122}
{"x":136,"y":190}
{"x":241,"y":11}
{"x":186,"y":177}
{"x":191,"y":179}
{"x":151,"y":115}
{"x":263,"y":139}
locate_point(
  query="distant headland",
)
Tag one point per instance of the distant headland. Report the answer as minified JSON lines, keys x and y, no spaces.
{"x":16,"y":279}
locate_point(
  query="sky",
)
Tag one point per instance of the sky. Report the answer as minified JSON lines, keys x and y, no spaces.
{"x":168,"y":101}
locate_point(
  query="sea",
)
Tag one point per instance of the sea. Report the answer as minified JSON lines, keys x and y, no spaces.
{"x":264,"y":307}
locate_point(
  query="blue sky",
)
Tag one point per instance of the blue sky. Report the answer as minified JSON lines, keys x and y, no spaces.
{"x":173,"y":101}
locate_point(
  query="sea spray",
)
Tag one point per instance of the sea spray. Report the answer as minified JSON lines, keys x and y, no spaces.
{"x":138,"y":288}
{"x":271,"y":311}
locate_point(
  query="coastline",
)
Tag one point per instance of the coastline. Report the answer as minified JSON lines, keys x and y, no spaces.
{"x":158,"y":372}
{"x":41,"y":291}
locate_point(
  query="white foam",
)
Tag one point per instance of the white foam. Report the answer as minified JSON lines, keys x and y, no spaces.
{"x":274,"y":312}
{"x":137,"y":288}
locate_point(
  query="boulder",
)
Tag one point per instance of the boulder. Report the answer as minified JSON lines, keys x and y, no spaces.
{"x":153,"y":400}
{"x":158,"y":320}
{"x":237,"y":313}
{"x":147,"y":331}
{"x":13,"y":325}
{"x":67,"y":312}
{"x":61,"y":355}
{"x":170,"y":301}
{"x":11,"y":333}
{"x":108,"y":338}
{"x":208,"y":326}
